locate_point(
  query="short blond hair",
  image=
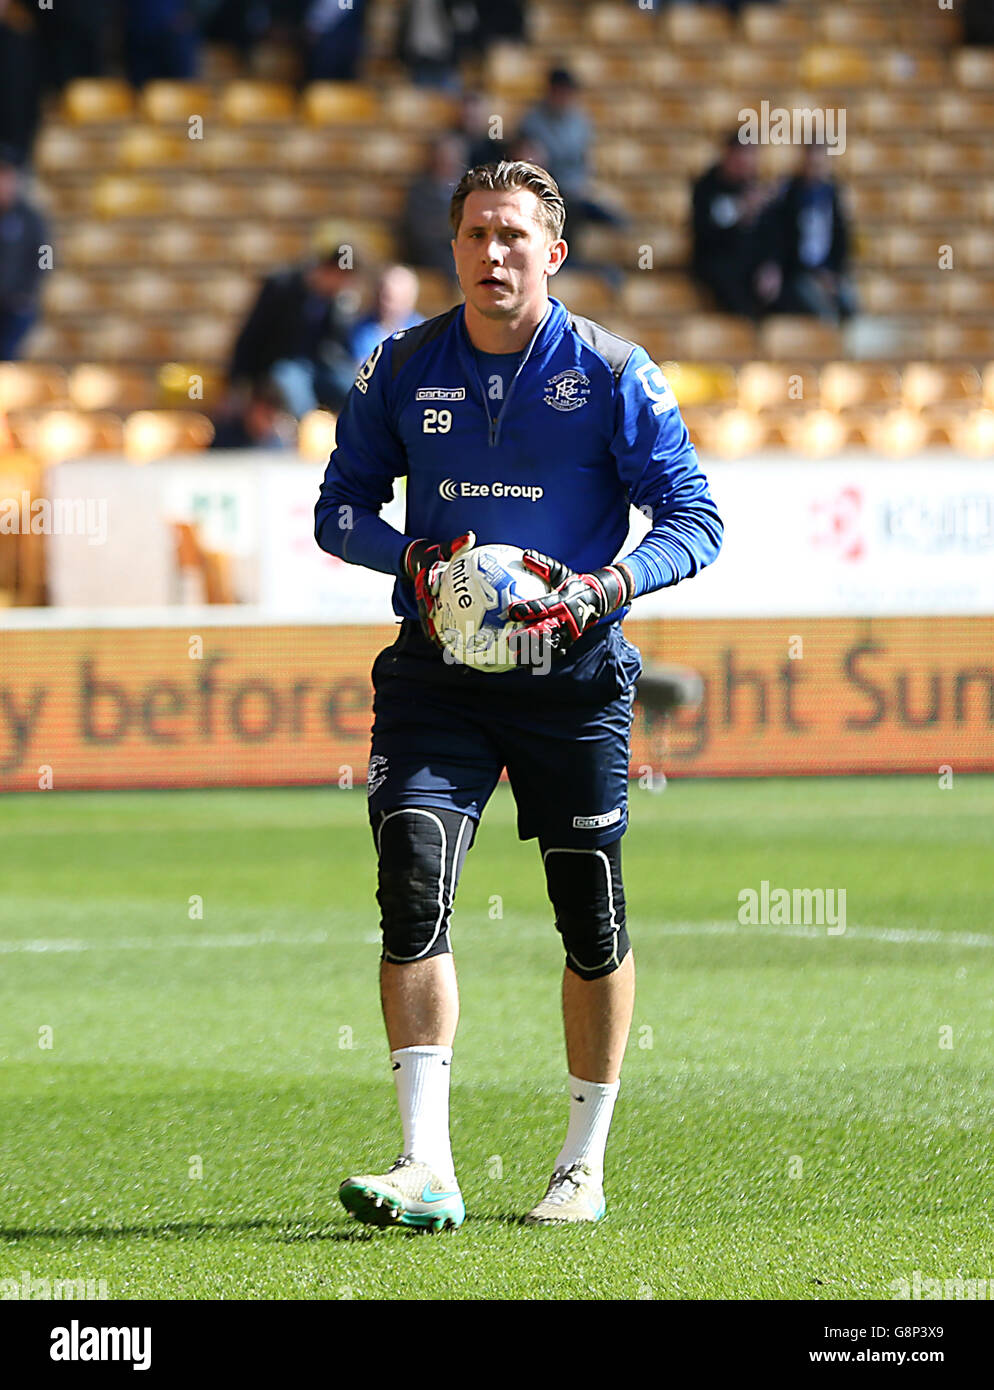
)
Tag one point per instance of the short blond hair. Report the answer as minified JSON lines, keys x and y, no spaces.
{"x":507,"y":174}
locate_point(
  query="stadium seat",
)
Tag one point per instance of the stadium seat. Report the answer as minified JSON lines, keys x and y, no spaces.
{"x":97,"y":101}
{"x":690,"y":25}
{"x":652,"y":292}
{"x":757,"y":67}
{"x":95,"y":387}
{"x":845,"y":385}
{"x":701,"y":383}
{"x":510,"y":69}
{"x":851,"y":24}
{"x":206,"y":338}
{"x":341,"y":103}
{"x":183,"y":243}
{"x":815,"y":433}
{"x":418,"y":108}
{"x":247,"y":102}
{"x":27,"y":386}
{"x":261,"y":247}
{"x":914,"y":67}
{"x":829,"y":65}
{"x":120,"y":338}
{"x":988,"y":385}
{"x":180,"y":384}
{"x":146,"y":147}
{"x":127,"y":196}
{"x":613,"y":24}
{"x":928,"y":384}
{"x":779,"y":386}
{"x":966,"y":294}
{"x":974,"y":67}
{"x":975,"y":248}
{"x":968,"y":112}
{"x":173,"y":103}
{"x":151,"y":434}
{"x":899,"y":294}
{"x":584,"y":291}
{"x":316,"y":435}
{"x":227,"y":293}
{"x":768,"y":24}
{"x":60,"y":435}
{"x":887,"y":113}
{"x":973,"y":433}
{"x":708,"y":336}
{"x":946,"y":157}
{"x":152,"y":292}
{"x":785,"y":336}
{"x":206,"y":197}
{"x":62,"y":149}
{"x":946,"y":338}
{"x":69,"y":292}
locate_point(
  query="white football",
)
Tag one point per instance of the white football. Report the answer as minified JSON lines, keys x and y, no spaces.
{"x":474,"y":594}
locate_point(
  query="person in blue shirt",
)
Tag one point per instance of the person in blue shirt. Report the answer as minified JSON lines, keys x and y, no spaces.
{"x":394,"y":307}
{"x":516,"y":421}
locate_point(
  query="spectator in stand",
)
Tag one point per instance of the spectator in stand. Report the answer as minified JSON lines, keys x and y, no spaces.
{"x":161,"y":40}
{"x":299,"y":331}
{"x":254,"y":418}
{"x":394,"y":307}
{"x":731,"y":233}
{"x":560,"y":126}
{"x":425,"y":231}
{"x":434,"y":35}
{"x":22,"y":234}
{"x":333,"y":40}
{"x":474,"y":129}
{"x":811,"y":232}
{"x":20,"y":76}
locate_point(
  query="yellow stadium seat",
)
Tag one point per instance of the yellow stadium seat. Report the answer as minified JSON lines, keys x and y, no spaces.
{"x":98,"y":243}
{"x":180,"y":383}
{"x":316,"y":435}
{"x":706,"y":337}
{"x":168,"y":102}
{"x":931,"y":383}
{"x":899,"y":294}
{"x":616,"y":24}
{"x":120,"y":338}
{"x":96,"y":386}
{"x":183,"y":243}
{"x":206,"y":338}
{"x":915,"y":68}
{"x":845,"y":385}
{"x":67,"y":149}
{"x":827,"y":65}
{"x":701,"y":383}
{"x":126,"y":196}
{"x":789,"y":335}
{"x":764,"y":386}
{"x":60,"y":435}
{"x":511,"y":69}
{"x":975,"y":248}
{"x":151,"y":434}
{"x":341,"y":103}
{"x":964,"y":111}
{"x":418,"y":108}
{"x":152,"y":292}
{"x":974,"y":67}
{"x":207,"y":198}
{"x":584,"y":291}
{"x":768,"y":24}
{"x":247,"y":102}
{"x":885,"y":113}
{"x":67,"y":292}
{"x":653,"y":292}
{"x":97,"y":101}
{"x":26,"y":385}
{"x":988,"y":385}
{"x":948,"y":337}
{"x":690,"y":25}
{"x":848,"y":24}
{"x":225,"y":292}
{"x":145,"y":147}
{"x":261,"y":246}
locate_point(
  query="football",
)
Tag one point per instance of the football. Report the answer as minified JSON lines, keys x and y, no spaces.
{"x":474,"y":594}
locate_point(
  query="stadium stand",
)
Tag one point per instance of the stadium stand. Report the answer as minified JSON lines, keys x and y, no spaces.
{"x":168,"y":205}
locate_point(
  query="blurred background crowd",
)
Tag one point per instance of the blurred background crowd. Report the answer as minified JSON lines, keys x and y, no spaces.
{"x":247,"y":195}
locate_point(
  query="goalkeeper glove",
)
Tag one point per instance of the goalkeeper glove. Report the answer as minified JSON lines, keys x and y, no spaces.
{"x":424,"y":563}
{"x":576,"y":601}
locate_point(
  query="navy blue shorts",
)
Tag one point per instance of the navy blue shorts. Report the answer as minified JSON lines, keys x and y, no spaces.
{"x":442,"y":735}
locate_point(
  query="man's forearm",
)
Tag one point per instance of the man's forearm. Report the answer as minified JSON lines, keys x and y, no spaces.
{"x":365,"y":540}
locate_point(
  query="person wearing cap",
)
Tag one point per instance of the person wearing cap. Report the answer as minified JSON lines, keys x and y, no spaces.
{"x":23,"y":234}
{"x":298,"y":332}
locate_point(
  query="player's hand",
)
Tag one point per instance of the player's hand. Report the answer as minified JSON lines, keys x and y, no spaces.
{"x":576,"y":601}
{"x":423,"y":564}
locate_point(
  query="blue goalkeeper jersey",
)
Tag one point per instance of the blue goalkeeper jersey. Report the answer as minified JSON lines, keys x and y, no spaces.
{"x":587,"y":426}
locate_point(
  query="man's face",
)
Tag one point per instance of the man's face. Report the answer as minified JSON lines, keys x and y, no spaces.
{"x":503,"y":253}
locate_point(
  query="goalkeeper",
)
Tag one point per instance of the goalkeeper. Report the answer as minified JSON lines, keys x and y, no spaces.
{"x":515,"y":421}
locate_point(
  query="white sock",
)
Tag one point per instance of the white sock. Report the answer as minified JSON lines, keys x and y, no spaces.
{"x":591,"y":1106}
{"x":422,"y":1078}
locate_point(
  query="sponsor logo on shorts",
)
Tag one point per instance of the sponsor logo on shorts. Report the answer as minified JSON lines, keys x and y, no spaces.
{"x":597,"y":822}
{"x":567,"y":390}
{"x":450,"y":490}
{"x":377,"y":773}
{"x":440,"y":393}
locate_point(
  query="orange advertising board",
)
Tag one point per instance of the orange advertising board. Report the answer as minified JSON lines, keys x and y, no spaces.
{"x":283,"y":705}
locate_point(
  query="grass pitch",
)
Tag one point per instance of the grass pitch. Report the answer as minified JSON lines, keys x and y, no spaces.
{"x":802,"y":1115}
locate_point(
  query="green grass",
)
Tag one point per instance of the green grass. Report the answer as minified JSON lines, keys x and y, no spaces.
{"x":225,"y":1040}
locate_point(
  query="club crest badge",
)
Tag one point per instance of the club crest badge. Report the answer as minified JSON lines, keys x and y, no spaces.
{"x":567,"y":390}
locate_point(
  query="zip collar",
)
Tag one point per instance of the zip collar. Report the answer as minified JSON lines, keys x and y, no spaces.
{"x":546,"y":334}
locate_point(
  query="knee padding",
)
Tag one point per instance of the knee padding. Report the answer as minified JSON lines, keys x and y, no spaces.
{"x":421,"y":851}
{"x":586,"y":891}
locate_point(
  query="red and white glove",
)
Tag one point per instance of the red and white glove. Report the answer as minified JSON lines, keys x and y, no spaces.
{"x":424,"y":563}
{"x":576,"y":601}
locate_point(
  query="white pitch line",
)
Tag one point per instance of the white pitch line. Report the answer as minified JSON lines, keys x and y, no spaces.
{"x":895,"y":936}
